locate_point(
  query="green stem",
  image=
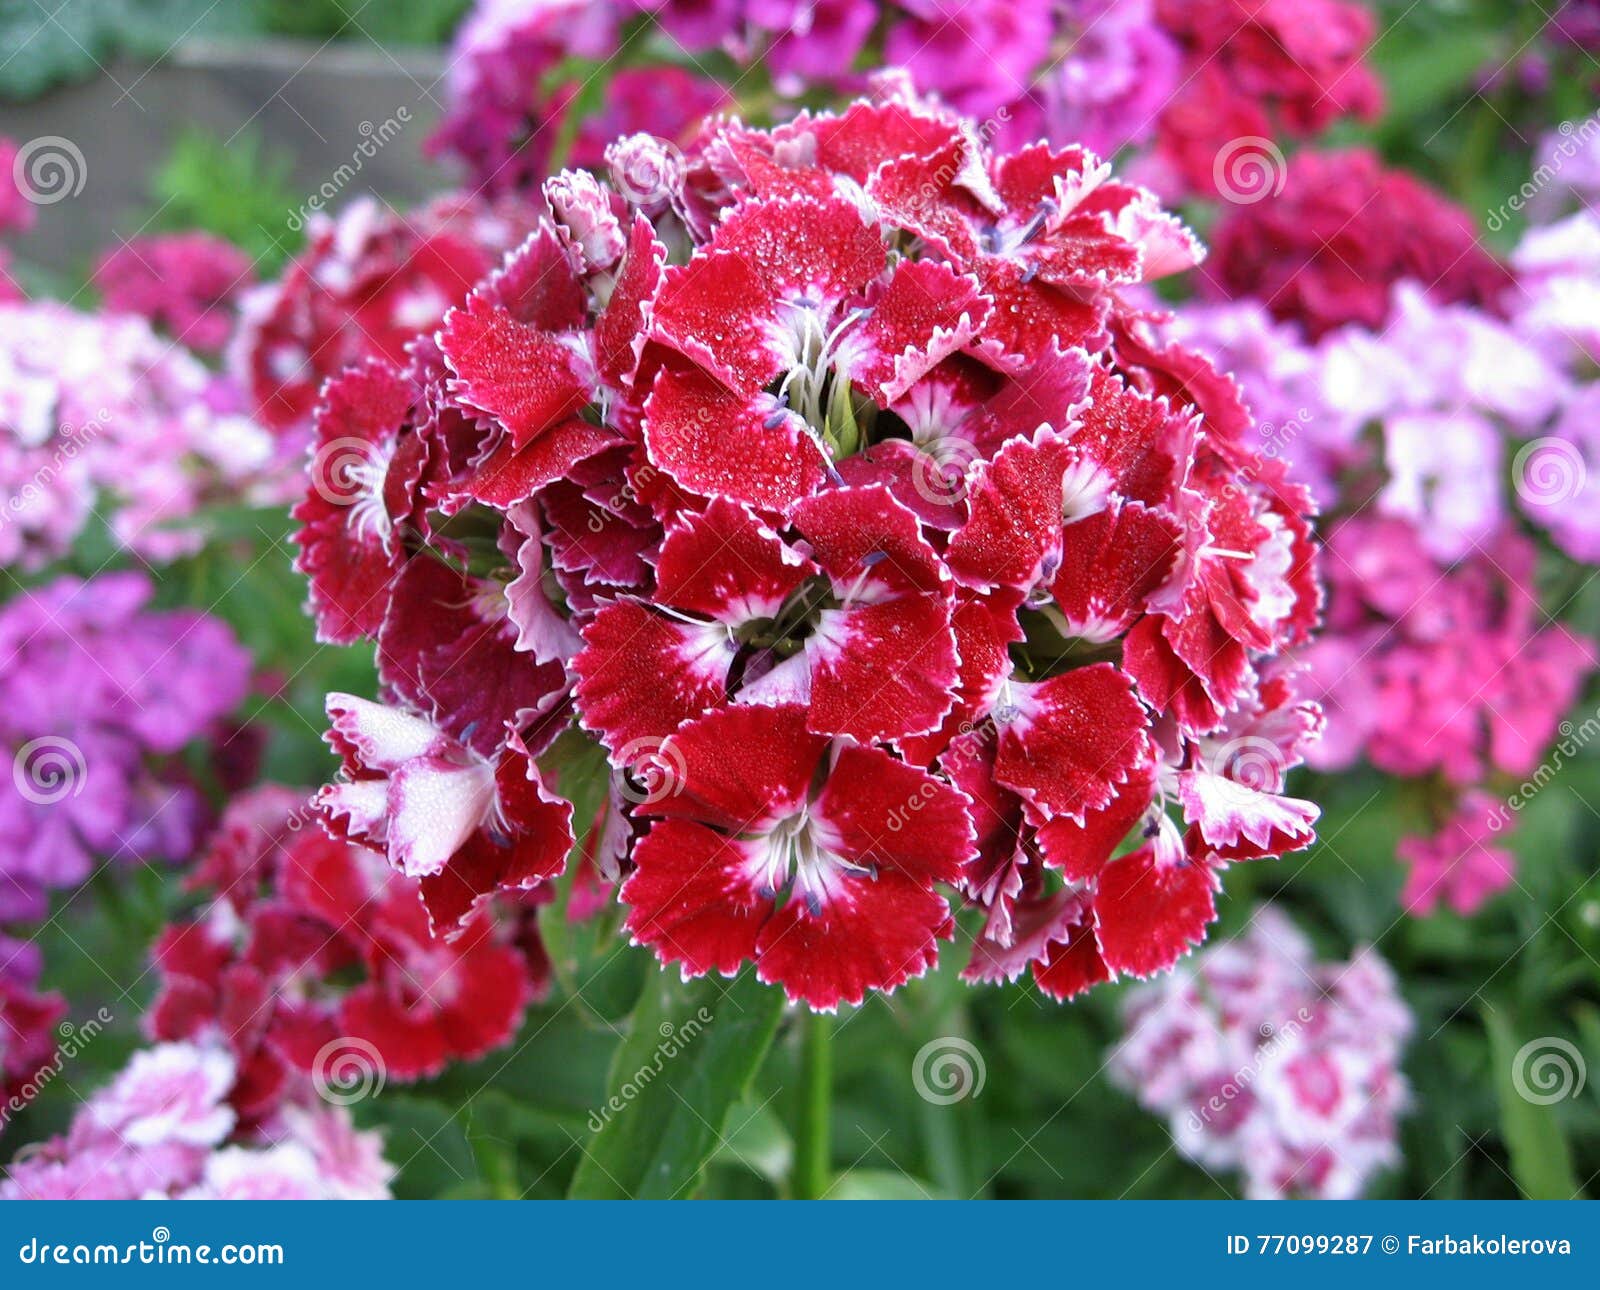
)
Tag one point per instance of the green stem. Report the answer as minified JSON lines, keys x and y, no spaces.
{"x":812,"y":1175}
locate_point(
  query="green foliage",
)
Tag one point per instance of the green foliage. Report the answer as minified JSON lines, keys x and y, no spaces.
{"x":238,"y":190}
{"x":689,"y":1056}
{"x":411,"y":22}
{"x":44,"y":45}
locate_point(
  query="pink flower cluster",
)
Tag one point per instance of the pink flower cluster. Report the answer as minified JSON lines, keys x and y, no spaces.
{"x":1194,"y":74}
{"x":876,"y":538}
{"x":312,"y":966}
{"x":1330,"y":247}
{"x":1267,"y":1061}
{"x":1440,"y":446}
{"x":186,"y":284}
{"x":103,"y":422}
{"x":163,"y":1129}
{"x":99,"y":694}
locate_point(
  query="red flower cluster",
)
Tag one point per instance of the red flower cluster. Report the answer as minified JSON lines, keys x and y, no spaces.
{"x":313,"y":961}
{"x":1343,"y":232}
{"x":1261,"y":69}
{"x":875,"y":539}
{"x":364,"y":286}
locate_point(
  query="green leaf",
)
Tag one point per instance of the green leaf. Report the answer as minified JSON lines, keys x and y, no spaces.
{"x":689,"y":1056}
{"x":880,"y":1184}
{"x":758,"y":1141}
{"x":1540,"y":1159}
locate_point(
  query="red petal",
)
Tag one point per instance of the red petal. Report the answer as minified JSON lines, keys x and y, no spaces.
{"x":1014,"y":514}
{"x":726,"y":564}
{"x":691,"y":899}
{"x":507,"y":474}
{"x":856,"y":532}
{"x":927,"y":312}
{"x":641,"y":674}
{"x":887,"y":813}
{"x":882,"y":671}
{"x":717,"y":443}
{"x":343,"y":548}
{"x":871,"y":934}
{"x":1081,"y":851}
{"x":619,"y":330}
{"x":1137,"y":439}
{"x":1111,"y":563}
{"x":539,"y":283}
{"x":739,"y":767}
{"x":1148,"y":916}
{"x":1072,"y":966}
{"x":523,"y":377}
{"x":1075,"y":738}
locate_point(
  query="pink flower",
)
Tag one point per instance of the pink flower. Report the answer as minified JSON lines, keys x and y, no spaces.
{"x":1457,"y":865}
{"x":1267,"y":1061}
{"x":188,"y":284}
{"x":1342,"y":233}
{"x":169,"y":1093}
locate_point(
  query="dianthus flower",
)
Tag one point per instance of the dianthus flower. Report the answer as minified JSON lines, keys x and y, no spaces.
{"x":366,"y":283}
{"x":1329,"y":248}
{"x":98,"y":695}
{"x":874,"y":534}
{"x":101,"y":417}
{"x":1194,"y":76}
{"x":1434,"y":445}
{"x":163,"y":1129}
{"x":1260,"y":68}
{"x":187,"y":284}
{"x":1267,"y":1061}
{"x":313,"y":967}
{"x":1460,"y":865}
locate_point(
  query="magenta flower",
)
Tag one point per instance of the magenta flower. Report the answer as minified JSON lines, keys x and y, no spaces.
{"x":97,"y":693}
{"x":1458,"y":865}
{"x":1267,"y":1061}
{"x":187,"y":284}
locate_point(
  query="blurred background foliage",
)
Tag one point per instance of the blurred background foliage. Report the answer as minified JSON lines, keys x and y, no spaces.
{"x":1469,"y":91}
